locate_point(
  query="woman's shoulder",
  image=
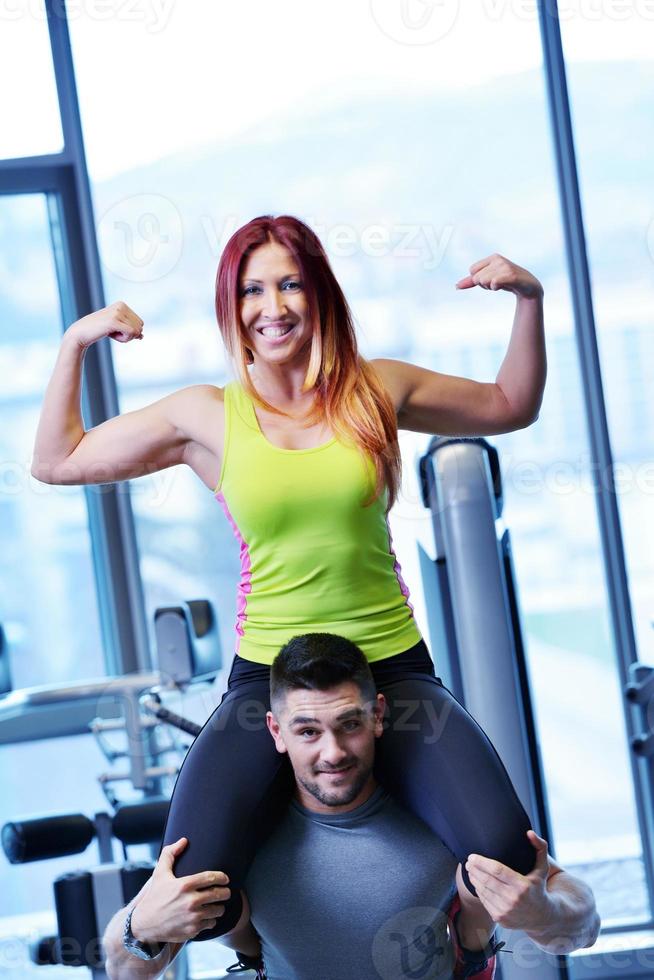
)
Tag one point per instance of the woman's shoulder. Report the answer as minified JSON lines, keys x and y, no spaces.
{"x":202,"y":393}
{"x":206,"y":391}
{"x":200,"y":415}
{"x":196,"y":409}
{"x":390,"y":373}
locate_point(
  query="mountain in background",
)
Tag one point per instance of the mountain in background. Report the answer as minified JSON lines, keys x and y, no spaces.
{"x":478,"y":161}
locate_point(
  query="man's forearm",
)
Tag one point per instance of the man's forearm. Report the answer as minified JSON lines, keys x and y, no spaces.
{"x":474,"y":926}
{"x":572,"y":921}
{"x":123,"y":965}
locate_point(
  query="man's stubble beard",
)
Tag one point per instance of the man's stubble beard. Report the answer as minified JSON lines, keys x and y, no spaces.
{"x":347,"y":794}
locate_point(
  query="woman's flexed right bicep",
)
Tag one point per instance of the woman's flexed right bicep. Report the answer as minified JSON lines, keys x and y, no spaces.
{"x":130,"y":445}
{"x":125,"y":447}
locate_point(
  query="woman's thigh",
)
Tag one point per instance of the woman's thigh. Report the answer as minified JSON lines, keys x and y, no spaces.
{"x":436,"y":760}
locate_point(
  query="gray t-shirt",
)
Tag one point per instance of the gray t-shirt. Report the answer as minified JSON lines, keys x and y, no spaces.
{"x":353,"y":896}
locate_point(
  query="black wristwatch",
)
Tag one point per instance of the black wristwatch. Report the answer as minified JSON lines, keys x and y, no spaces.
{"x":473,"y":961}
{"x":247,"y":963}
{"x":144,"y":951}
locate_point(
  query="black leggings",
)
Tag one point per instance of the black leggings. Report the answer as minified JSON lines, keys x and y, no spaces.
{"x":433,"y":757}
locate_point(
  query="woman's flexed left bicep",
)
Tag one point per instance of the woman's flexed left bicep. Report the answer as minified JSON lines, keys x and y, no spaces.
{"x":445,"y":404}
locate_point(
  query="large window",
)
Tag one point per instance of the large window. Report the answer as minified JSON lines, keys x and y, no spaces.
{"x":615,"y":181}
{"x":609,"y":64}
{"x":422,"y":147}
{"x":48,"y":607}
{"x":29,"y":112}
{"x":415,"y":140}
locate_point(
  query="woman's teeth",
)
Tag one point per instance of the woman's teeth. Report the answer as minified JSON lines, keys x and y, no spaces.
{"x":276,"y":331}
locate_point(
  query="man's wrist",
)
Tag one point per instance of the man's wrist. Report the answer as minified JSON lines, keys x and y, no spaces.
{"x":473,"y":937}
{"x":474,"y":924}
{"x":474,"y":943}
{"x":137,"y":929}
{"x":557,"y":925}
{"x":134,"y":944}
{"x":548,"y":915}
{"x":471,"y":961}
{"x":248,"y":961}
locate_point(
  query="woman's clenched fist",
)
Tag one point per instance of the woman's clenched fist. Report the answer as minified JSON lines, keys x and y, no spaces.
{"x":117,"y":321}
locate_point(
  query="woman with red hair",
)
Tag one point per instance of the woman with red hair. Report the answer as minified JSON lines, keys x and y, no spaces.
{"x":301,"y":452}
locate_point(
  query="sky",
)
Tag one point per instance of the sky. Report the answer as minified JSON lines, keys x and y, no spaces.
{"x":156,"y":77}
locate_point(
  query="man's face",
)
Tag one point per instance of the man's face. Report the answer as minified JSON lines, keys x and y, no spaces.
{"x":330,"y":740}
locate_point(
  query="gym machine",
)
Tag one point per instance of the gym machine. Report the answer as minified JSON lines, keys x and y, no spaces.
{"x":188,"y":655}
{"x":474,"y":621}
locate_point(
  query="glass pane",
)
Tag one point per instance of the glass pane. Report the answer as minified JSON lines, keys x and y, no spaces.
{"x":30,"y":123}
{"x":422,"y":148}
{"x":615,"y":179}
{"x":48,"y":610}
{"x":610,"y":58}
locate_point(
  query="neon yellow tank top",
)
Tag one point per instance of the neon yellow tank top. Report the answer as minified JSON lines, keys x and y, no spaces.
{"x":313,"y":559}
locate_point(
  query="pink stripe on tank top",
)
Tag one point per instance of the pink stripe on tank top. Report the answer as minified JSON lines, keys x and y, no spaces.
{"x":397,"y":568}
{"x":245,"y":584}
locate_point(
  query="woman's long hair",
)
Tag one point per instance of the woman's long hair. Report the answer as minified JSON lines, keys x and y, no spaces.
{"x":349,"y":393}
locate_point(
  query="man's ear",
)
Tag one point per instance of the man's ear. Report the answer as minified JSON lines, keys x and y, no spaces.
{"x":378,"y":712}
{"x":275,"y":731}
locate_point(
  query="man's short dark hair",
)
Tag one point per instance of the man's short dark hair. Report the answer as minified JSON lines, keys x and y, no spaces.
{"x":316,"y":662}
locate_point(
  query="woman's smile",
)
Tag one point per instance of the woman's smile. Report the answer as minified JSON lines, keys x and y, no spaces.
{"x":276,"y":333}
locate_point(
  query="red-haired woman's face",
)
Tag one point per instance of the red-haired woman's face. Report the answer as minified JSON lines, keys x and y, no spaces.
{"x":273,"y":305}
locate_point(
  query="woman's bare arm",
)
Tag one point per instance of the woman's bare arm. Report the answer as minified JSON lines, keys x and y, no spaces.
{"x":444,"y":404}
{"x":431,"y":402}
{"x":130,"y":445}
